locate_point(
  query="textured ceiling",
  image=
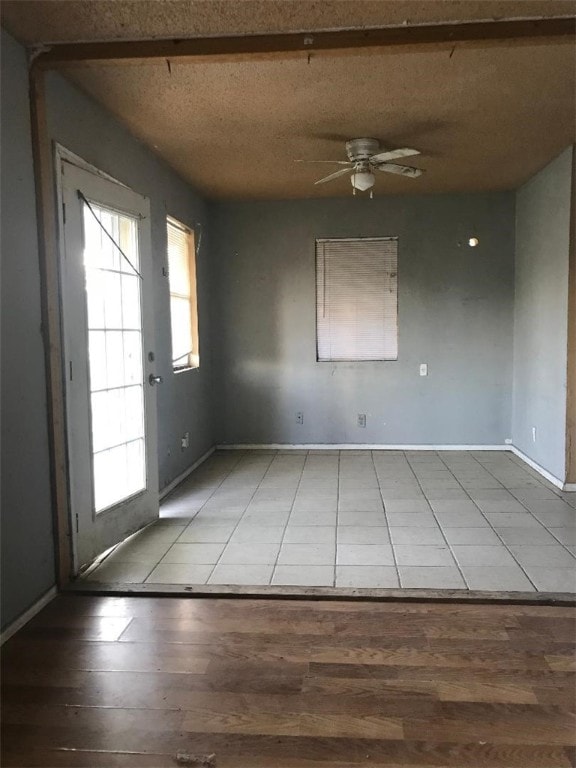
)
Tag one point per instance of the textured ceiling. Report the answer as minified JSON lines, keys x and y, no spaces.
{"x":40,"y":21}
{"x":484,"y":117}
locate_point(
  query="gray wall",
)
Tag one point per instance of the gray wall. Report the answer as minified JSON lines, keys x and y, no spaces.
{"x":184,"y":399}
{"x":455,"y":313}
{"x":26,"y":513}
{"x":541,"y":314}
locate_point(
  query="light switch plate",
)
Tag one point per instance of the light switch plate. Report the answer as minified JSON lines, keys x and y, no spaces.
{"x":423,"y":369}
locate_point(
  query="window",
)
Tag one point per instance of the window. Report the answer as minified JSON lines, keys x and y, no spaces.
{"x":183,"y":304}
{"x":357,"y":299}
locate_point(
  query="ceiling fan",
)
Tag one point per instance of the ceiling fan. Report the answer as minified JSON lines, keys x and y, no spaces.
{"x":364,"y":157}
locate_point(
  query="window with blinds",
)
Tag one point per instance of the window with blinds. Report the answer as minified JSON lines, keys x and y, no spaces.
{"x":357,"y":299}
{"x":183,"y":304}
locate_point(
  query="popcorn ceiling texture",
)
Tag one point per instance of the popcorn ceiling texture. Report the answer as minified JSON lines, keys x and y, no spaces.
{"x":486,"y":117}
{"x":77,"y":20}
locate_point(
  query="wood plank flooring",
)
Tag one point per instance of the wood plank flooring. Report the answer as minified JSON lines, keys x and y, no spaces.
{"x":131,"y":682}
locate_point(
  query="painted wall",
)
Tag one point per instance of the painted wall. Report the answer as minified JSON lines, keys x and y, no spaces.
{"x":185,"y":399}
{"x":26,"y":511}
{"x":455,"y":314}
{"x":541,"y":314}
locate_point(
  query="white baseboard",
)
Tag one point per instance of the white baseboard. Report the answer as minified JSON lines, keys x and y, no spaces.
{"x":356,"y":447}
{"x":29,"y":614}
{"x":181,"y":477}
{"x":571,"y":487}
{"x":541,"y":471}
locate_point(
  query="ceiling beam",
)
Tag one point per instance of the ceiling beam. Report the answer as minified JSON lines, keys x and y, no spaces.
{"x":61,"y":54}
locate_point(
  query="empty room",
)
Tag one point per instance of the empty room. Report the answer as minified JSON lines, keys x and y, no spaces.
{"x":288,"y":382}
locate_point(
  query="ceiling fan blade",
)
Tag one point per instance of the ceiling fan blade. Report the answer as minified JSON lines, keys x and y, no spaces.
{"x":334,"y":175}
{"x":393,"y":154}
{"x":338,"y":162}
{"x":401,"y":170}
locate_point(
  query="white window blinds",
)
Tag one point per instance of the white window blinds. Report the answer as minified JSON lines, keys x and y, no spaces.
{"x":183,"y":309}
{"x":357,"y":299}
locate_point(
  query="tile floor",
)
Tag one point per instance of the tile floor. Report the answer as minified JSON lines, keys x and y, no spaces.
{"x":478,"y":520}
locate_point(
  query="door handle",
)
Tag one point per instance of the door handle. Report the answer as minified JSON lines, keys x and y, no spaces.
{"x":152,"y":380}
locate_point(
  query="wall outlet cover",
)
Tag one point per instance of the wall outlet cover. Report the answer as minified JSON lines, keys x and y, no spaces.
{"x":361,"y":419}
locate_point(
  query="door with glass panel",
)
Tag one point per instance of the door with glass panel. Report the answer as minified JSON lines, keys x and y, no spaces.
{"x":109,"y":366}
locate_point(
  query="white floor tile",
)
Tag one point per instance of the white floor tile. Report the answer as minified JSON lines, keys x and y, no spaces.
{"x":551,"y":506}
{"x":252,"y":575}
{"x":367,"y":576}
{"x":431,"y":578}
{"x":406,"y":505}
{"x":265,"y":518}
{"x":552,"y":579}
{"x":453,"y":505}
{"x":462,"y":520}
{"x":439,"y":494}
{"x":356,"y":534}
{"x":566,"y":535}
{"x":133,"y":553}
{"x":204,"y":533}
{"x":362,"y":518}
{"x":179,"y":573}
{"x":310,"y":576}
{"x":250,"y":554}
{"x":364,"y":554}
{"x":310,"y":534}
{"x":306,"y":554}
{"x":546,"y":557}
{"x":359,"y":505}
{"x":533,"y":536}
{"x":418,"y":536}
{"x":497,"y":578}
{"x":490,"y":555}
{"x":118,"y":573}
{"x":423,"y":555}
{"x":260,"y":498}
{"x":411,"y":520}
{"x":491,"y":505}
{"x":471,"y":537}
{"x":257,"y":534}
{"x":312,"y":518}
{"x":199,"y":554}
{"x":557,"y":519}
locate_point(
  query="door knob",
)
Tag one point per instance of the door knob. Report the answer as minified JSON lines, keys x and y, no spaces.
{"x":152,"y":380}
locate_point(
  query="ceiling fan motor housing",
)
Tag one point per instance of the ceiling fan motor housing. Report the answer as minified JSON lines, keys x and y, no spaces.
{"x":361,"y":149}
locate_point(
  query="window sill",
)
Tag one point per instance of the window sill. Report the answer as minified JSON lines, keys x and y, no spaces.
{"x":176,"y":371}
{"x":381,"y":360}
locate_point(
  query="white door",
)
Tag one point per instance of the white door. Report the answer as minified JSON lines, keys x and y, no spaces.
{"x":109,"y":368}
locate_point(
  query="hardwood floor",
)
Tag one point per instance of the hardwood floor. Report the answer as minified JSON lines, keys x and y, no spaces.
{"x":131,"y":682}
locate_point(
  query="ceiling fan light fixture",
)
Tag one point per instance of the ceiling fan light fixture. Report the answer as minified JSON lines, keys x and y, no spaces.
{"x":363,"y":180}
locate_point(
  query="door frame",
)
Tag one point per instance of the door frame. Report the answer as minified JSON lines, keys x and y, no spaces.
{"x":110,"y":523}
{"x":57,"y":56}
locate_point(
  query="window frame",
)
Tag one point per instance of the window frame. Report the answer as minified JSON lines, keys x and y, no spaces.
{"x":192,"y":359}
{"x":348,"y":361}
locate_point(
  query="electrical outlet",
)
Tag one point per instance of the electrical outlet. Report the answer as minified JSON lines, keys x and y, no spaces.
{"x":423,"y":369}
{"x":533,"y":434}
{"x":185,"y":440}
{"x":508,"y":441}
{"x":361,"y":419}
{"x":299,"y":418}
